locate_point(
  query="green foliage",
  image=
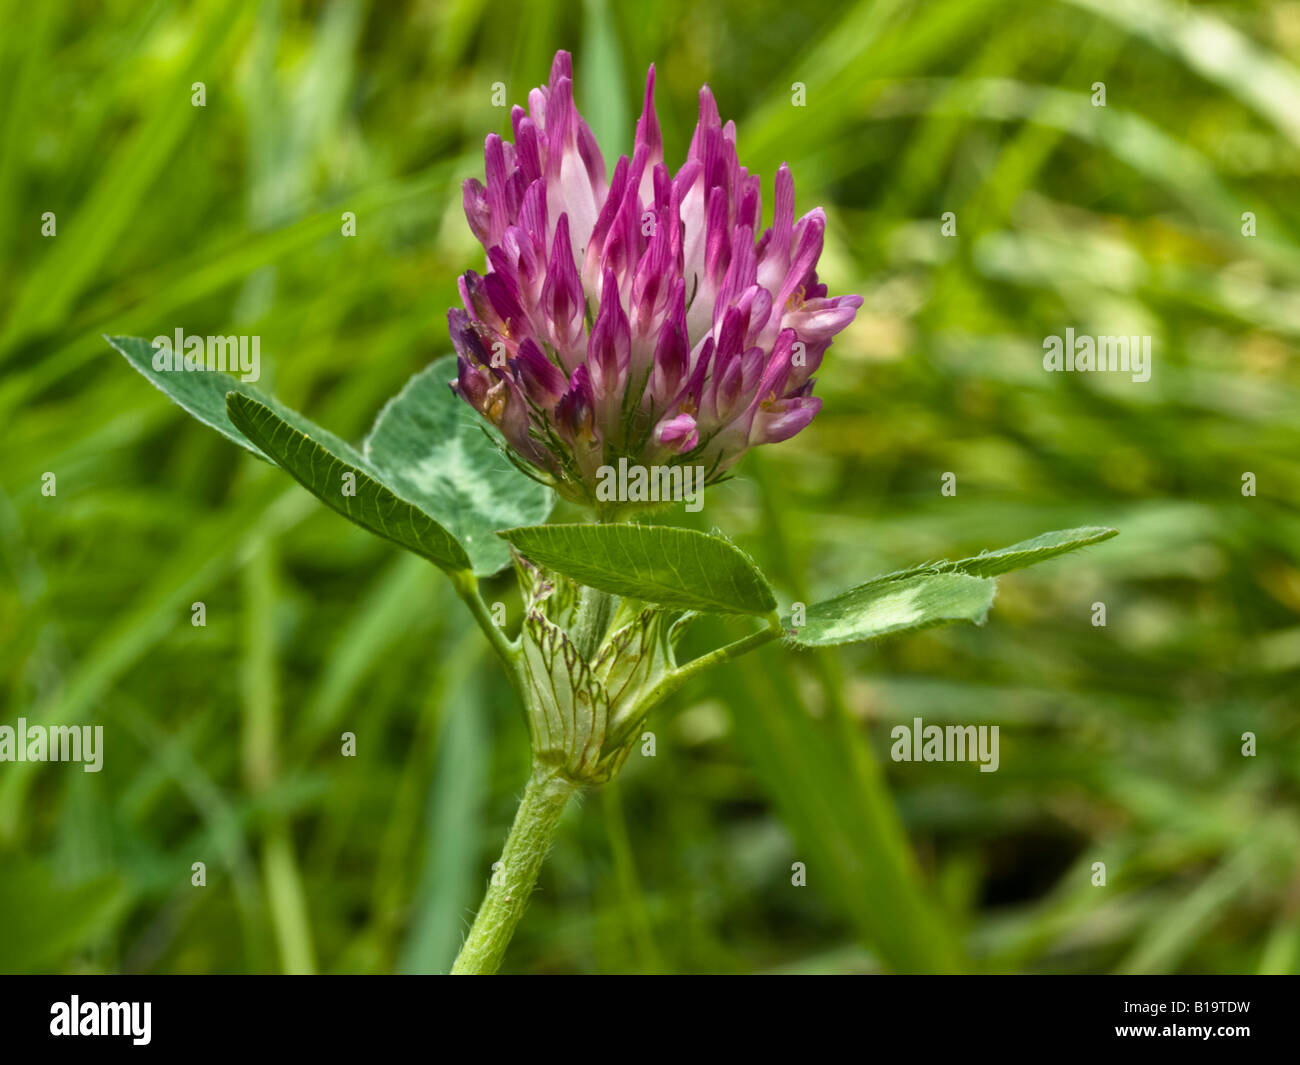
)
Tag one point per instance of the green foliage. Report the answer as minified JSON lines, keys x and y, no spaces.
{"x":880,"y":608}
{"x":430,"y":480}
{"x":1121,"y":742}
{"x":341,"y":479}
{"x":670,"y":567}
{"x":1026,"y":553}
{"x":932,"y":594}
{"x":432,"y":449}
{"x":46,"y":919}
{"x":202,"y":393}
{"x":834,"y":800}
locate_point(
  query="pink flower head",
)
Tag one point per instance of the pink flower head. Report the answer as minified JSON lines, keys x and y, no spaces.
{"x":637,"y":314}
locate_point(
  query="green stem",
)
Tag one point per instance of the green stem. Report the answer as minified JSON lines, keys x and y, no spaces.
{"x":716,"y":657}
{"x":466,"y":586}
{"x":514,"y":877}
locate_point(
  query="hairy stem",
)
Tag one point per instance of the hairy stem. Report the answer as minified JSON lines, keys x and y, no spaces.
{"x":514,"y":877}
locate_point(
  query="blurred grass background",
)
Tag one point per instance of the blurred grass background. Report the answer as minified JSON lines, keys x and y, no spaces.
{"x":1119,"y":744}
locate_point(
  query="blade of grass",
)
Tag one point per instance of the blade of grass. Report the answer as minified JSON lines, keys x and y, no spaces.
{"x":448,"y":885}
{"x":259,"y":743}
